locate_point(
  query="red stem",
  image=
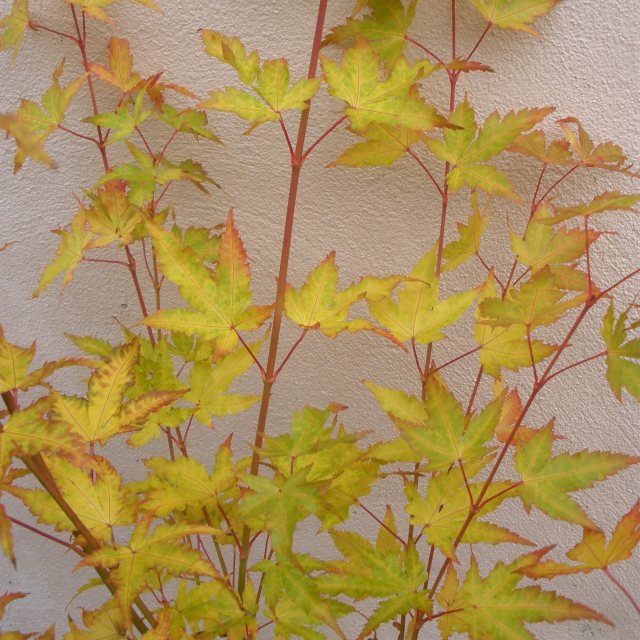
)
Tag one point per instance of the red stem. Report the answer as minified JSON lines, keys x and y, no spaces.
{"x":40,"y":27}
{"x":576,"y":364}
{"x":421,"y":164}
{"x":335,"y":125}
{"x":482,"y":37}
{"x":78,"y":135}
{"x":293,"y":348}
{"x":287,"y":138}
{"x":623,"y":589}
{"x":46,"y":535}
{"x":430,"y":53}
{"x":381,"y":523}
{"x":249,"y":350}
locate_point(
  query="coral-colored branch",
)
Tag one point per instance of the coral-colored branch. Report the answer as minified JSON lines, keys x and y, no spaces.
{"x":482,"y":37}
{"x":250,"y":352}
{"x":623,"y":589}
{"x":420,"y":46}
{"x":46,"y":535}
{"x":334,"y":126}
{"x":381,"y":523}
{"x":296,"y":344}
{"x":422,"y":165}
{"x":41,"y":27}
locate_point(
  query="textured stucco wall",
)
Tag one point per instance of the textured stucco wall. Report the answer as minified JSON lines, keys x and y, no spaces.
{"x":377,"y":220}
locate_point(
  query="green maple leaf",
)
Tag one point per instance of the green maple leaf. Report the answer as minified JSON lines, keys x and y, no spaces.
{"x":121,"y":123}
{"x":270,"y":83}
{"x":467,"y":147}
{"x":542,"y":246}
{"x":277,"y":505}
{"x":99,"y":499}
{"x":383,"y":570}
{"x":384,"y":145}
{"x":143,"y":175}
{"x":593,"y":551}
{"x":134,"y":566}
{"x":95,"y":8}
{"x":623,"y":370}
{"x":547,"y":480}
{"x":319,"y":305}
{"x":187,"y":121}
{"x":385,"y":28}
{"x":209,"y":384}
{"x":394,"y":101}
{"x":417,"y":314}
{"x":504,"y":346}
{"x":537,"y":302}
{"x":457,"y":252}
{"x":13,"y":27}
{"x":495,"y":607}
{"x":220,"y":303}
{"x":105,"y":623}
{"x":514,"y":14}
{"x":436,"y":429}
{"x":175,"y":485}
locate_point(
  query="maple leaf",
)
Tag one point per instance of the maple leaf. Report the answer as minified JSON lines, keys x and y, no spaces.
{"x":514,"y":14}
{"x":382,"y":570}
{"x":537,"y":302}
{"x":14,"y":363}
{"x":494,"y":607}
{"x":417,"y":314}
{"x":204,"y":243}
{"x":105,"y":623}
{"x":187,"y":121}
{"x":29,"y":432}
{"x":277,"y":505}
{"x":41,"y":120}
{"x":121,"y":122}
{"x":28,"y":143}
{"x":593,"y":551}
{"x":135,"y":565}
{"x":13,"y":27}
{"x":534,"y":145}
{"x":542,"y":246}
{"x":319,"y":305}
{"x":104,"y":413}
{"x":112,"y":218}
{"x":120,"y":72}
{"x":607,"y":201}
{"x":209,"y":385}
{"x":70,"y":252}
{"x":445,"y":507}
{"x":270,"y":83}
{"x":385,"y":28}
{"x":383,"y":146}
{"x":436,"y":428}
{"x":547,"y":480}
{"x":622,"y":371}
{"x":467,"y":147}
{"x":176,"y":485}
{"x":605,"y":155}
{"x":394,"y":101}
{"x":143,"y":175}
{"x":457,"y":252}
{"x":505,"y":347}
{"x":98,"y":498}
{"x":220,"y":302}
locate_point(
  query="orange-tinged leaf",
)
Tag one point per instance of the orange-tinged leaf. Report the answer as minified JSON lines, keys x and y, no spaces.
{"x":493,"y":607}
{"x":534,"y":145}
{"x":231,"y":51}
{"x":6,"y":538}
{"x":593,"y":551}
{"x":14,"y":363}
{"x":119,"y":73}
{"x":514,"y":14}
{"x":608,"y":201}
{"x":220,"y":303}
{"x":547,"y":481}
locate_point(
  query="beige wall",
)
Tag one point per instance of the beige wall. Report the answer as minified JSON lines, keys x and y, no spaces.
{"x":377,"y":220}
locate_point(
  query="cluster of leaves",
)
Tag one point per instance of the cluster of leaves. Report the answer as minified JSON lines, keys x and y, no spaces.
{"x":200,"y":549}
